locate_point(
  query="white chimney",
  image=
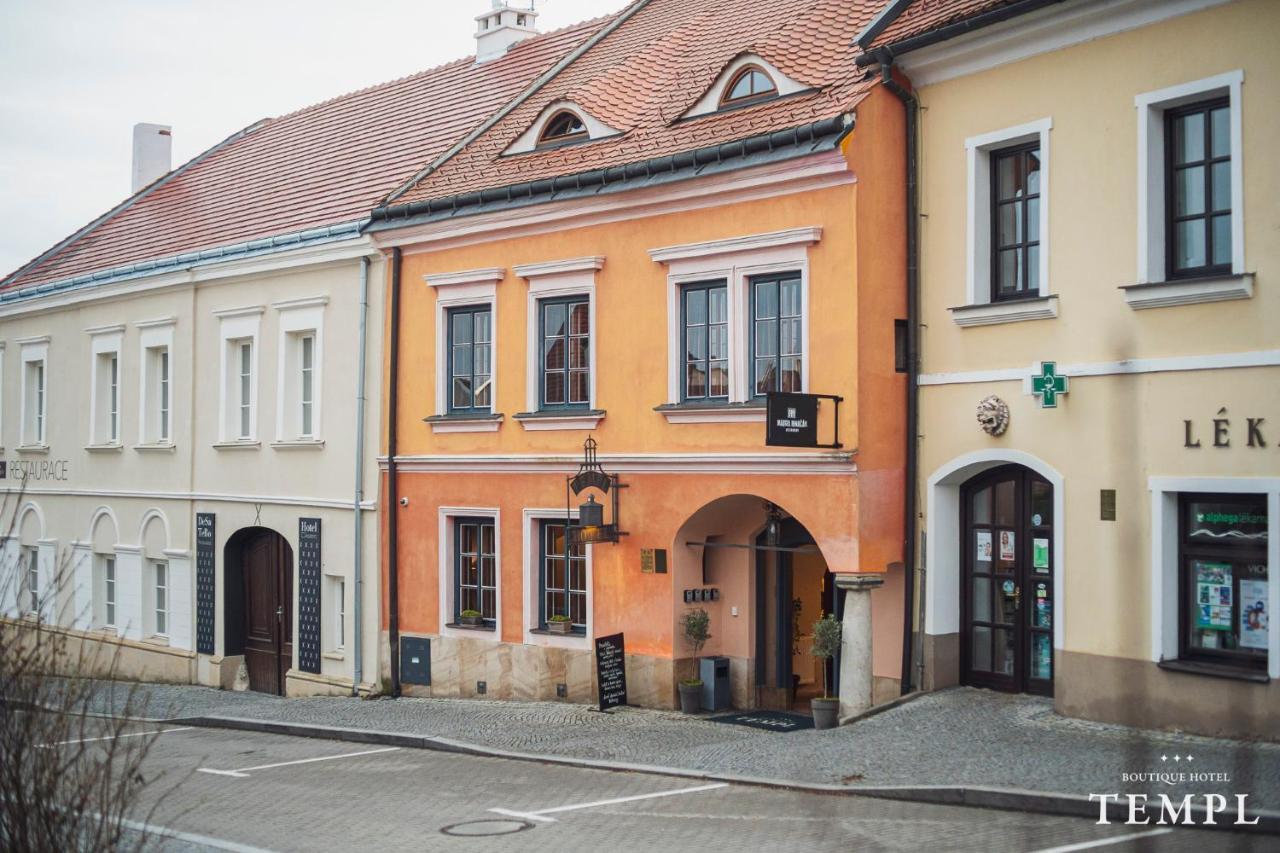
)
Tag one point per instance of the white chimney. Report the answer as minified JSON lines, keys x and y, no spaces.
{"x":152,"y":153}
{"x":501,"y":27}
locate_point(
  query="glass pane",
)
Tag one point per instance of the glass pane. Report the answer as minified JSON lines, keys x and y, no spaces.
{"x":980,"y":653}
{"x":1041,"y":656}
{"x":1189,"y":191}
{"x":696,"y":344}
{"x":487,"y":573}
{"x":462,"y":361}
{"x":1188,"y":138}
{"x":1006,"y":601}
{"x":718,"y":305}
{"x":718,"y":342}
{"x":1003,"y":651}
{"x":790,"y":298}
{"x":765,"y":375}
{"x":1189,"y":248}
{"x":766,"y":338}
{"x":790,"y":336}
{"x":1008,"y":276}
{"x":1006,"y":551}
{"x":579,"y":386}
{"x":1033,"y":269}
{"x":1042,"y":612}
{"x":486,"y":539}
{"x":1033,"y":219}
{"x":1010,"y":218}
{"x":467,"y":539}
{"x":1006,"y":494}
{"x":695,"y":307}
{"x":555,"y":573}
{"x":719,"y":379}
{"x":695,"y":381}
{"x":766,"y":301}
{"x":461,"y":328}
{"x":553,"y":354}
{"x":554,"y":388}
{"x":581,"y":324}
{"x":579,"y":352}
{"x":981,"y":602}
{"x":482,"y":354}
{"x":1008,"y":176}
{"x":1220,"y":131}
{"x":1033,"y":172}
{"x":553,"y":320}
{"x":1222,"y":239}
{"x":791,"y":374}
{"x":1221,"y":179}
{"x":1041,"y":504}
{"x":482,"y":327}
{"x":484,"y":391}
{"x":982,"y":506}
{"x":488,"y":604}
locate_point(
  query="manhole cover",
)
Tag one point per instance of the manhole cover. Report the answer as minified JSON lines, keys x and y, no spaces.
{"x":474,"y":828}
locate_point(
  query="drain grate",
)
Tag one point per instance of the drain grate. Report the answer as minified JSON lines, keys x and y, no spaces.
{"x":481,"y":828}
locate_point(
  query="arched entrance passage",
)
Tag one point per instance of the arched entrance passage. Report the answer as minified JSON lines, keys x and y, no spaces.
{"x":771,"y":583}
{"x":952,"y":554}
{"x":258,"y":605}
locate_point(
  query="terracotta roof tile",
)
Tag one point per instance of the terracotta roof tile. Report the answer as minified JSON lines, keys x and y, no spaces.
{"x":925,"y":15}
{"x":643,"y":76}
{"x":326,"y":164}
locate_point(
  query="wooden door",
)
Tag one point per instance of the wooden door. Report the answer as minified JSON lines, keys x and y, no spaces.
{"x":1007,"y":595}
{"x":268,"y":586}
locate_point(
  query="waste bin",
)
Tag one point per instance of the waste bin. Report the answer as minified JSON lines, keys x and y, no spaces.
{"x":714,"y":672}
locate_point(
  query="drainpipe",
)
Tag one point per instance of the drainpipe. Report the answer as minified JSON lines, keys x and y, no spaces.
{"x":912,"y":107}
{"x":358,"y":499}
{"x":393,"y":493}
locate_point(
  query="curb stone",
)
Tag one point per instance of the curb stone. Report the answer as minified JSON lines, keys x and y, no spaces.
{"x":977,"y":796}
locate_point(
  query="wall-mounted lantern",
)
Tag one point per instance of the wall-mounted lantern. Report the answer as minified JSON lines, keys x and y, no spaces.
{"x":591,"y":528}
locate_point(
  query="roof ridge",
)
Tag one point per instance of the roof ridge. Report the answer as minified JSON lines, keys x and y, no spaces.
{"x":84,"y":230}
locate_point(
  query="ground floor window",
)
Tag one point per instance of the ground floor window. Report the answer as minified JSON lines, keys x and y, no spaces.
{"x":161,"y":575}
{"x":475,"y":569}
{"x":1223,"y":586}
{"x":562,"y":578}
{"x":107,"y":573}
{"x":31,"y":579}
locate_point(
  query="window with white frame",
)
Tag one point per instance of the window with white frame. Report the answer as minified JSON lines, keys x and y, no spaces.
{"x":243,"y":355}
{"x":155,"y":410}
{"x":562,"y":577}
{"x":239,"y":392}
{"x":470,"y":554}
{"x":738,"y":324}
{"x":300,"y":374}
{"x":1007,"y":230}
{"x":337,"y":596}
{"x":106,"y":589}
{"x":106,"y":416}
{"x":160,"y":590}
{"x":30,"y":599}
{"x":1191,"y":194}
{"x":35,"y":403}
{"x":466,"y":371}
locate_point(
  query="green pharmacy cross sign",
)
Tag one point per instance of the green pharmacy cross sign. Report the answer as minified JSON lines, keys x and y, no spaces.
{"x":1048,"y":385}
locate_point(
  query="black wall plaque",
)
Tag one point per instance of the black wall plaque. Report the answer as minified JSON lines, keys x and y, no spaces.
{"x":206,"y":573}
{"x":309,"y":594}
{"x":792,"y":420}
{"x":611,"y":671}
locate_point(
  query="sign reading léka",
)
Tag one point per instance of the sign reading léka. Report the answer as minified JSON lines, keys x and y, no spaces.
{"x":309,"y":594}
{"x":792,"y":420}
{"x":611,"y":671}
{"x":206,"y":597}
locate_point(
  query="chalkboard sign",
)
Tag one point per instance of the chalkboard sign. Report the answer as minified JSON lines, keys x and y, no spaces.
{"x":611,"y":671}
{"x":309,"y":594}
{"x":206,"y":595}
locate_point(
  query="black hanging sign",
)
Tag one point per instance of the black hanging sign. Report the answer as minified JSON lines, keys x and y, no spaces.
{"x":309,"y":594}
{"x":792,"y":420}
{"x":611,"y":671}
{"x":206,"y":594}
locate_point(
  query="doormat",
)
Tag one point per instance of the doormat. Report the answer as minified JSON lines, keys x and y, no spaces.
{"x":770,"y":721}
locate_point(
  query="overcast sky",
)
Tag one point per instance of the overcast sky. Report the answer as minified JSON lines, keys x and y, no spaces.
{"x":76,"y":75}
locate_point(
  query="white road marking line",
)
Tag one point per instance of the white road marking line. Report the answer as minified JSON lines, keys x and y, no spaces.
{"x":193,"y":838}
{"x":1105,"y":842}
{"x":114,"y":737}
{"x":541,"y":814}
{"x":244,"y":772}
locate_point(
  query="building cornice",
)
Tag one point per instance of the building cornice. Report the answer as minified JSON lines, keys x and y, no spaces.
{"x":736,"y":245}
{"x":558,"y":267}
{"x":481,"y":276}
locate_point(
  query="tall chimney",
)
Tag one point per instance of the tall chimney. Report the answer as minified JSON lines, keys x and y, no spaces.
{"x":152,"y":153}
{"x":501,"y":27}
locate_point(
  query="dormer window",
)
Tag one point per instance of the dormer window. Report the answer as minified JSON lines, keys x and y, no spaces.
{"x":750,"y":86}
{"x":563,"y":127}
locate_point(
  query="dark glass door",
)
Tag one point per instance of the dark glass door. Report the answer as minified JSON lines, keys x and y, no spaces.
{"x":1007,"y":595}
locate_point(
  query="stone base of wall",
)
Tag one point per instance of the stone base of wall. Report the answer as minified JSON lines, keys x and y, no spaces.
{"x":299,"y":683}
{"x":885,"y":688}
{"x":99,"y":654}
{"x":1140,"y":693}
{"x":941,"y":661}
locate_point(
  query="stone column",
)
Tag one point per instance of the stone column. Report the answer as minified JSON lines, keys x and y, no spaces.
{"x":855,"y":644}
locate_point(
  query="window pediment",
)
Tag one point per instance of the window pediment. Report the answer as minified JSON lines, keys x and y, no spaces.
{"x":560,"y":123}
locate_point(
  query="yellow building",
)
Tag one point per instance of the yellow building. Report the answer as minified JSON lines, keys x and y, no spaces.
{"x":1096,"y":226}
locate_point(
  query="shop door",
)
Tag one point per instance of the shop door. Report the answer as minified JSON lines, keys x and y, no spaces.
{"x":1008,"y":591}
{"x":266,"y":563}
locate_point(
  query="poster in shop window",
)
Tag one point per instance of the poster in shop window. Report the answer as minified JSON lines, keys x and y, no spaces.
{"x":1213,"y":596}
{"x":1253,"y":614}
{"x":984,"y":546}
{"x":1006,"y":546}
{"x":1040,"y":554}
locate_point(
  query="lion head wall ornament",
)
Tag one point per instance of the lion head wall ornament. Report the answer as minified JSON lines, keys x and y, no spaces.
{"x":993,"y":415}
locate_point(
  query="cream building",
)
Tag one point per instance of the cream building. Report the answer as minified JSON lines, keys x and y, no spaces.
{"x":1097,"y":217}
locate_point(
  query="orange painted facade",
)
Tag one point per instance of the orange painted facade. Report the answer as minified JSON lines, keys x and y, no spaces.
{"x":850,"y":501}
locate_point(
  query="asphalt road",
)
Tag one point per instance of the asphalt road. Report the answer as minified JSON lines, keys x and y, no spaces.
{"x":248,"y":791}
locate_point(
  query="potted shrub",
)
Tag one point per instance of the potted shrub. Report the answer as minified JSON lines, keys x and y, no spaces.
{"x":472,"y":618}
{"x":826,"y":644}
{"x":696,"y":626}
{"x":558,"y":623}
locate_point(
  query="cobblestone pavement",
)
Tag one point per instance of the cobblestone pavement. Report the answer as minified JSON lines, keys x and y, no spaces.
{"x":957,"y":737}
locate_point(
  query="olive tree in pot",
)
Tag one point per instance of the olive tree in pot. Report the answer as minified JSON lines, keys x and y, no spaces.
{"x":826,"y":644}
{"x":696,"y":625}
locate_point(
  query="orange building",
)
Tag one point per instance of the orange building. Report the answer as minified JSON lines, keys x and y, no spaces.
{"x":702,"y":205}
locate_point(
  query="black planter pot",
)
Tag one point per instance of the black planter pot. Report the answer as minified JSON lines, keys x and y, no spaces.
{"x":691,"y":697}
{"x":826,"y":713}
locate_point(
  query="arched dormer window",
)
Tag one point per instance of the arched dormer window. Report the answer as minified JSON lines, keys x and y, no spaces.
{"x":563,"y":127}
{"x":749,"y":86}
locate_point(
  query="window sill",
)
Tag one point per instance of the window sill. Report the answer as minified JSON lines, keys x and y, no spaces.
{"x":33,"y":449}
{"x":1008,"y":311}
{"x":464,"y":423}
{"x":237,"y":445}
{"x":334,"y":656}
{"x":1215,"y":670}
{"x":459,"y":626}
{"x":1189,"y":291}
{"x":104,"y":448}
{"x":156,"y":447}
{"x":572,"y":635}
{"x":299,"y":444}
{"x":560,"y":419}
{"x":712,"y":413}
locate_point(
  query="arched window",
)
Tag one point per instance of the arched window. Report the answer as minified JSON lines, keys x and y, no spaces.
{"x":751,"y":84}
{"x":563,"y":127}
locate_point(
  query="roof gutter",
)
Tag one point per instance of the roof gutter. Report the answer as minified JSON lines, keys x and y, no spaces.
{"x":545,"y":78}
{"x":886,"y":53}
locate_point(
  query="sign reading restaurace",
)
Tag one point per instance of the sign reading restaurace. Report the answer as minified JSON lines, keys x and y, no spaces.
{"x":792,"y":420}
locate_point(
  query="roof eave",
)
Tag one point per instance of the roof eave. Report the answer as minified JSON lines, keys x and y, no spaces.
{"x":888,"y":52}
